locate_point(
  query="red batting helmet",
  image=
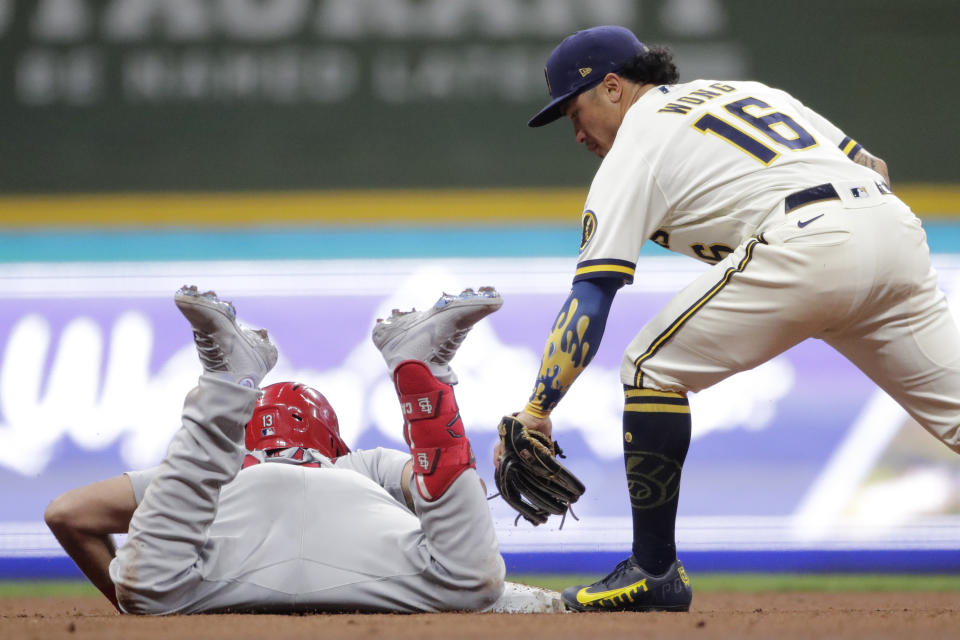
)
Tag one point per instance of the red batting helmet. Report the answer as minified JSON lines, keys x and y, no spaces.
{"x":291,"y":414}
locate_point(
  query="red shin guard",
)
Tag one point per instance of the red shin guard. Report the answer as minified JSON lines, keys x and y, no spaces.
{"x":432,"y":428}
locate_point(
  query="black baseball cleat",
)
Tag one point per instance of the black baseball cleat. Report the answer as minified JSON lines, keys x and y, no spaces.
{"x":630,"y":588}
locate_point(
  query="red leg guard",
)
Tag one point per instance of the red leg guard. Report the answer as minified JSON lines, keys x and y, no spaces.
{"x":432,"y":428}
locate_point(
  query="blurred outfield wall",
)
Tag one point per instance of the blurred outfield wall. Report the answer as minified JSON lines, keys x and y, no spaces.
{"x":224,"y":95}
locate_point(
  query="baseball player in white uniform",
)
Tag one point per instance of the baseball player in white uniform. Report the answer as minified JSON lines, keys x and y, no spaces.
{"x":805,"y":237}
{"x":305,"y":526}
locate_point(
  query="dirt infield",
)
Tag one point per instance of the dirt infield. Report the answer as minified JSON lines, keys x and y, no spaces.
{"x":714,"y":615}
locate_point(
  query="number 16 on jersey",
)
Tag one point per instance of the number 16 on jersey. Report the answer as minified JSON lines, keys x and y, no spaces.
{"x":778,"y":127}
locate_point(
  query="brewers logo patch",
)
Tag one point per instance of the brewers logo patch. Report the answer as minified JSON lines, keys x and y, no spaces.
{"x":589,"y":223}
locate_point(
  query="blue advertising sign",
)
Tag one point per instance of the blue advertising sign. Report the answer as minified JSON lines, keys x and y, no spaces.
{"x":801,"y":454}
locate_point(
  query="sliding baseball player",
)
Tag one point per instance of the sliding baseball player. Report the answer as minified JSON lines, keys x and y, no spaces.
{"x":305,"y":525}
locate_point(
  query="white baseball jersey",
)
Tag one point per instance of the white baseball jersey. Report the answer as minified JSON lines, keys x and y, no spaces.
{"x":706,"y":169}
{"x":699,"y":167}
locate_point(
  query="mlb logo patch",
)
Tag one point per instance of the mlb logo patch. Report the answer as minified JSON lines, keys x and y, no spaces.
{"x":267,"y":431}
{"x":859,"y":192}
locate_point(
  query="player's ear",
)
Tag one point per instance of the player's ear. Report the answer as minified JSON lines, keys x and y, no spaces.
{"x":612,"y":87}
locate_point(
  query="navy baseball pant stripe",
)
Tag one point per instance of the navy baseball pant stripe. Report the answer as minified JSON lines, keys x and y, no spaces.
{"x":670,"y":331}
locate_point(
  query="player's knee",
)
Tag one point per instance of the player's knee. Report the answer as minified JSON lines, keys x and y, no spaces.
{"x":141,"y":600}
{"x":651,"y":377}
{"x":631,"y":375}
{"x":484,"y":594}
{"x":130,"y":602}
{"x":138,"y":604}
{"x":144,"y":588}
{"x":628,"y":370}
{"x":485,"y":587}
{"x":472,"y":589}
{"x":491,"y":591}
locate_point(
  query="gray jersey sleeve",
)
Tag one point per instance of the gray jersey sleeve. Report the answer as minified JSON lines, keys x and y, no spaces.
{"x":383,"y":466}
{"x":140,"y":480}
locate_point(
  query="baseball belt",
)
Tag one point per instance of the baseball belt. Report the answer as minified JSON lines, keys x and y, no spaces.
{"x":820,"y":192}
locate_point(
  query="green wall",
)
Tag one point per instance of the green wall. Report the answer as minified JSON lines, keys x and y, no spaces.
{"x":142,"y":95}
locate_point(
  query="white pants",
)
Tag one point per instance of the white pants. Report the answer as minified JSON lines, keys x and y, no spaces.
{"x":858,"y":277}
{"x":287,"y":538}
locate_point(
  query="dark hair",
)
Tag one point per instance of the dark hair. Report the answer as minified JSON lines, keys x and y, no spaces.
{"x":654,"y":66}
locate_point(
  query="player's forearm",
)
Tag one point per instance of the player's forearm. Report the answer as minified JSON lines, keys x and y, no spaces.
{"x":82,"y":521}
{"x":871,"y":161}
{"x":572,"y":343}
{"x":91,"y":551}
{"x":93,"y":554}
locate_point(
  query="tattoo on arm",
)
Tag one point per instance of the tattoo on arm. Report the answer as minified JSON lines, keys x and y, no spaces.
{"x":873,"y":162}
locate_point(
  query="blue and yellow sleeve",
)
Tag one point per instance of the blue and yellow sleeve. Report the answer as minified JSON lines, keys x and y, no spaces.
{"x":850,"y":147}
{"x":573,"y":341}
{"x":605,"y":269}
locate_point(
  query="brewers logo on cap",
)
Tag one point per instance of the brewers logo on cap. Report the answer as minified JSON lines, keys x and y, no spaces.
{"x":589,"y":224}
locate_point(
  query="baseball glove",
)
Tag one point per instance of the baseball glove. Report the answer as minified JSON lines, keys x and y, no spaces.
{"x":529,"y":477}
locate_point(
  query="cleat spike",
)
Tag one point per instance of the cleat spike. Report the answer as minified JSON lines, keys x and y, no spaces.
{"x":223,"y":345}
{"x":434,"y":335}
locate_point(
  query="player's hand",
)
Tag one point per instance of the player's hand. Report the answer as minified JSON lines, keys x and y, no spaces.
{"x":543,"y":425}
{"x":498,"y":450}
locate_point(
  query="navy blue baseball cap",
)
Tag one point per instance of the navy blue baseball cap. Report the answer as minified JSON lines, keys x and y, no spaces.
{"x":581,"y":61}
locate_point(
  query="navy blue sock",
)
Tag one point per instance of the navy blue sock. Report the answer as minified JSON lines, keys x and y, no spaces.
{"x":656,"y":436}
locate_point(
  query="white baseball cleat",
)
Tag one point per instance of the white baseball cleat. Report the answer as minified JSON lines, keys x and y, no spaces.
{"x":433,"y":336}
{"x":224,"y":346}
{"x":522,"y":598}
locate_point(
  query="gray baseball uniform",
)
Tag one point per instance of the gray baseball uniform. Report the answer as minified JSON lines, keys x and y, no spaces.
{"x":283,"y":537}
